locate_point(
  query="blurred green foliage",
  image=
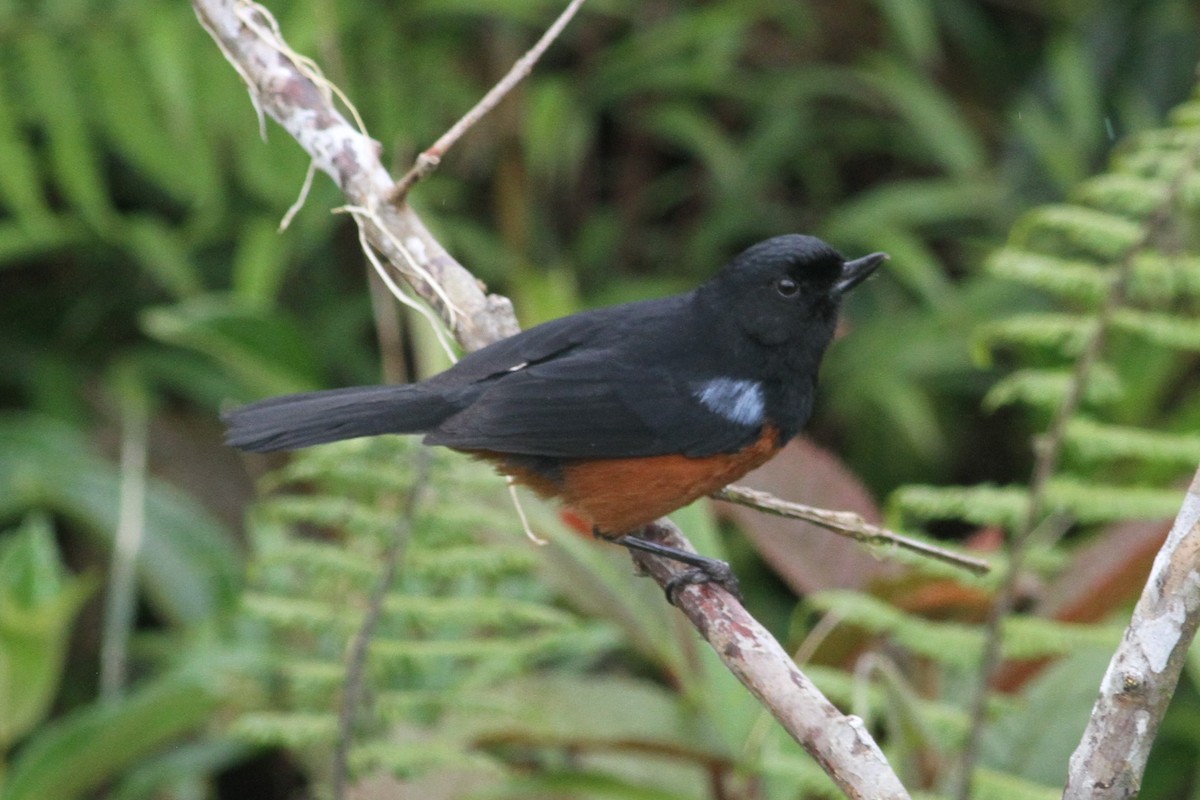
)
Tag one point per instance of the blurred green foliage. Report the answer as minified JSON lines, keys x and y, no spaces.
{"x":139,"y":258}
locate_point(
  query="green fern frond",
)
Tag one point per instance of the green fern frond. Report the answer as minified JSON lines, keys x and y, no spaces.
{"x":958,"y":644}
{"x":948,"y":723}
{"x":464,"y":612}
{"x":1077,"y":232}
{"x":319,"y":559}
{"x":408,"y":759}
{"x":286,"y":729}
{"x":455,"y":562}
{"x":1164,"y":330}
{"x":333,"y":511}
{"x":1073,"y":279}
{"x":990,"y":784}
{"x":979,"y":505}
{"x":1162,"y":278}
{"x":1065,"y":333}
{"x":1005,"y":506}
{"x":1123,"y":193}
{"x":1089,"y":440}
{"x":296,"y":613}
{"x":1091,"y":502}
{"x":1047,"y":388}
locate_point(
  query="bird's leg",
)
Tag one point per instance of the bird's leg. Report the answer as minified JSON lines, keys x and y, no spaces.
{"x":703,"y":569}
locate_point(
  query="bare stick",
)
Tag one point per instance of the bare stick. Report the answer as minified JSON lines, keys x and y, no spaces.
{"x":429,"y":160}
{"x":1143,"y":673}
{"x":838,"y":742}
{"x":288,"y":93}
{"x":848,"y":524}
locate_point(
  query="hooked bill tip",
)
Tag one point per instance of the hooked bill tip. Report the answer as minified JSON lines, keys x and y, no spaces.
{"x":856,"y":271}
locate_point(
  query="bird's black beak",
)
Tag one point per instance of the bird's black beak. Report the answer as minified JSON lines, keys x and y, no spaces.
{"x":856,"y":271}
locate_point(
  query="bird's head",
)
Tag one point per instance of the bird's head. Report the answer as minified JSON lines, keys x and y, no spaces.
{"x":787,"y":289}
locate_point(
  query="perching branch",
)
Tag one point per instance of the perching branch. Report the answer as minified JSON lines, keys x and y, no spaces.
{"x":841,"y":744}
{"x":289,"y":89}
{"x":848,"y":524}
{"x":1143,"y":673}
{"x":429,"y":160}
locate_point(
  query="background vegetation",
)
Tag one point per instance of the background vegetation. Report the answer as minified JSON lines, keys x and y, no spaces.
{"x":143,"y":284}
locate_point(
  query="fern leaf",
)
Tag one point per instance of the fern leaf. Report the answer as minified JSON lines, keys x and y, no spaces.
{"x":1094,"y":441}
{"x":1046,"y":388}
{"x":1005,"y":506}
{"x":1075,"y":279}
{"x":289,"y":729}
{"x":1065,"y":333}
{"x":1077,"y":232}
{"x":1122,"y":193}
{"x":1165,"y":330}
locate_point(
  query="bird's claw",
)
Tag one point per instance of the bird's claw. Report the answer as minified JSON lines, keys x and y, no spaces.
{"x":714,"y":571}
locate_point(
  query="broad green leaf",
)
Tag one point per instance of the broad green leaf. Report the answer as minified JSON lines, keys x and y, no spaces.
{"x":21,"y":186}
{"x":587,"y":708}
{"x":164,"y":255}
{"x":934,"y":121}
{"x":266,"y":350}
{"x":84,"y":750}
{"x":188,"y":564}
{"x":132,"y":123}
{"x":38,"y":604}
{"x":259,"y":262}
{"x":1036,"y":733}
{"x":914,"y":25}
{"x":22,"y":241}
{"x":75,"y":161}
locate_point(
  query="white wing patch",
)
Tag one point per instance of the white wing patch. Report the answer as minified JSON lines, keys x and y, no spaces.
{"x":736,"y":400}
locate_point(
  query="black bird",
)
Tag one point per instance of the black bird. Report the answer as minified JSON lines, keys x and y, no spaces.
{"x":624,"y":413}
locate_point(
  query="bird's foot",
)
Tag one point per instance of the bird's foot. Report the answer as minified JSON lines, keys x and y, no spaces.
{"x":703,"y":569}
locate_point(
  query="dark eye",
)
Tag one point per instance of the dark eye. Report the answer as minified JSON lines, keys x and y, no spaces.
{"x":787,"y":287}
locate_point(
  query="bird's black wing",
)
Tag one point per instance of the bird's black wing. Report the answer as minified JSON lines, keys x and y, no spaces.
{"x":588,"y":403}
{"x":550,"y":340}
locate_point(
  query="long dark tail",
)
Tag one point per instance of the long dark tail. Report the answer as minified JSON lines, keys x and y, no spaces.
{"x":300,"y":420}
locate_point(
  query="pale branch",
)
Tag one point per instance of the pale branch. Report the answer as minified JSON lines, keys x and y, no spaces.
{"x":430,"y":158}
{"x":847,"y":524}
{"x":1143,"y":673}
{"x":288,"y":88}
{"x":294,"y":94}
{"x":840,"y":743}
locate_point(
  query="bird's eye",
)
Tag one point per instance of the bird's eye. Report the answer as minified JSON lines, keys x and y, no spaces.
{"x":787,"y":287}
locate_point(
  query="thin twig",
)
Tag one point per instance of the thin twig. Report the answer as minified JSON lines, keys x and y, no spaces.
{"x":848,"y":524}
{"x":357,"y":660}
{"x":1048,"y":451}
{"x":429,"y":160}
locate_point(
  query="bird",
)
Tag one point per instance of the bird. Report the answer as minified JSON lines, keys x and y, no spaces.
{"x":624,"y":413}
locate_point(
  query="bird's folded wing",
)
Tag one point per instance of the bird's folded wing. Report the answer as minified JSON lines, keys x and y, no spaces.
{"x":587,"y":406}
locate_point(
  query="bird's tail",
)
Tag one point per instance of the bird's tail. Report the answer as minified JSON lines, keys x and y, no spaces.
{"x":300,"y":420}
